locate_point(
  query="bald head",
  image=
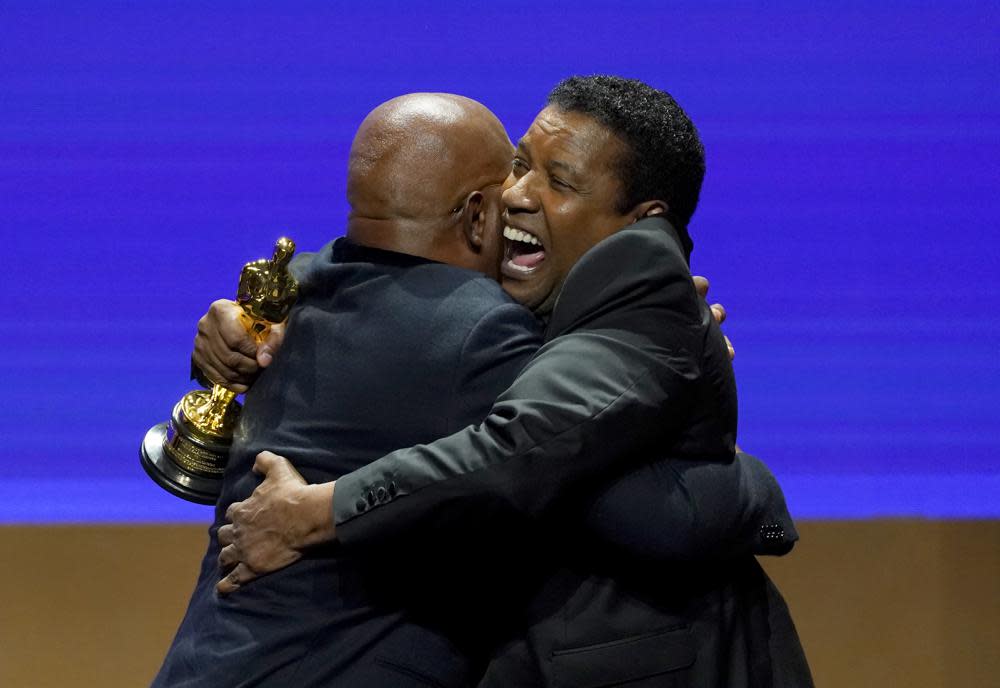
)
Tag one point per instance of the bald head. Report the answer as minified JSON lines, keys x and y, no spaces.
{"x":424,"y":178}
{"x":417,"y":157}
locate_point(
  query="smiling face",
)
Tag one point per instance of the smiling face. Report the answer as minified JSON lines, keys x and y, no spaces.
{"x":561,"y":199}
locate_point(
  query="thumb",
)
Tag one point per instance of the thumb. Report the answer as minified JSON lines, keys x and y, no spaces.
{"x":267,"y":350}
{"x":266,"y":462}
{"x":269,"y":464}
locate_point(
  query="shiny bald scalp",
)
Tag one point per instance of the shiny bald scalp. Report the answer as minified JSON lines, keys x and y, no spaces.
{"x":416,"y":157}
{"x":424,"y":179}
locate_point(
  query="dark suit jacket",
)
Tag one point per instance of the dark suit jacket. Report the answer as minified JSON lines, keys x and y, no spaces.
{"x":633,"y":368}
{"x":383,"y":350}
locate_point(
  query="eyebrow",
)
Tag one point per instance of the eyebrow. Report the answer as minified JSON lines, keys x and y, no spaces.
{"x":565,"y":166}
{"x":562,"y":166}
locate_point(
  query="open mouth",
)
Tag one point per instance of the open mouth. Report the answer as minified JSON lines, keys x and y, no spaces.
{"x":523,"y":252}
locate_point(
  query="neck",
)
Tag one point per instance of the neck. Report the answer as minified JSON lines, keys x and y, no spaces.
{"x":389,"y":234}
{"x":422,"y":238}
{"x":415,"y":237}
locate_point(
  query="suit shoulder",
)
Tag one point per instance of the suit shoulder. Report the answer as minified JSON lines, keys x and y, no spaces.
{"x":649,"y":243}
{"x":464,"y":306}
{"x":639,"y":267}
{"x":491,"y":338}
{"x":471,"y":293}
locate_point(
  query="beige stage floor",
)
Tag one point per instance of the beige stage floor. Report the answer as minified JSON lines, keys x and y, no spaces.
{"x":877,"y":603}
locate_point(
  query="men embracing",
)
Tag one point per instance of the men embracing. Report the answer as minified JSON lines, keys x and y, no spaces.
{"x":458,"y":490}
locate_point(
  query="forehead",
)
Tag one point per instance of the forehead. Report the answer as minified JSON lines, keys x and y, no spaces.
{"x":574,"y":138}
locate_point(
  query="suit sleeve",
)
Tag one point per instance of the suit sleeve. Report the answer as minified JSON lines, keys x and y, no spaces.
{"x":616,"y":380}
{"x":688,"y":510}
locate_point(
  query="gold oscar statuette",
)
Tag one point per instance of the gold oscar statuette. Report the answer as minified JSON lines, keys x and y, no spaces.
{"x":187,"y":454}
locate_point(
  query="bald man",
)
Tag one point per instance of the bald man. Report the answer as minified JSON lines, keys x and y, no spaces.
{"x":392,"y":359}
{"x":399,"y":337}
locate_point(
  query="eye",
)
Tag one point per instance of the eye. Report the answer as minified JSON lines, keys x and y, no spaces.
{"x":519,"y":166}
{"x":558,"y":183}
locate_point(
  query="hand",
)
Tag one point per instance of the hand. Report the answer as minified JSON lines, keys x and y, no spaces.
{"x":718,"y":311}
{"x":270,"y":529}
{"x":226,"y":353}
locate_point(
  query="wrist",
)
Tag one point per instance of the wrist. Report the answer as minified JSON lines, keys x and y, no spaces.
{"x":317,"y":505}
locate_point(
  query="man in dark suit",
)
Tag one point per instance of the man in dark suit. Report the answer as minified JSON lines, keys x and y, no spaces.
{"x":634,"y":363}
{"x":399,"y":337}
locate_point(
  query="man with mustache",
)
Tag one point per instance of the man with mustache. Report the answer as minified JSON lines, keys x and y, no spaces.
{"x":565,"y":177}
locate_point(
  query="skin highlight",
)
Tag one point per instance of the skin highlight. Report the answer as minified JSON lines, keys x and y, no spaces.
{"x":424,"y":178}
{"x":563,"y":189}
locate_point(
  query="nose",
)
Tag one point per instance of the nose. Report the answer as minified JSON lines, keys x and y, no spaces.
{"x":519,"y":197}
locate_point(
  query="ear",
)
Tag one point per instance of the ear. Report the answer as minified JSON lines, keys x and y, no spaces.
{"x":648,"y":209}
{"x":473,"y":221}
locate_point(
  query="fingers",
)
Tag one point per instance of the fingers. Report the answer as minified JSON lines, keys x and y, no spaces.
{"x":220,"y":366}
{"x":223,"y":349}
{"x":235,"y":579}
{"x":229,"y":557}
{"x":227,"y":534}
{"x":701,"y":286}
{"x":223,"y":327}
{"x":718,"y":312}
{"x":228,"y":317}
{"x":216,"y":377}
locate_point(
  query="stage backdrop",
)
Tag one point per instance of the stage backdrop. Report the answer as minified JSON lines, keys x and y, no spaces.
{"x":848,"y":219}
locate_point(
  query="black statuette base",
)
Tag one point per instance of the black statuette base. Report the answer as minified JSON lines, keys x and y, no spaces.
{"x":162,"y":468}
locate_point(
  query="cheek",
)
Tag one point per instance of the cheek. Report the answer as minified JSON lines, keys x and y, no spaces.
{"x":581,"y":229}
{"x":586,"y":232}
{"x":564,"y":219}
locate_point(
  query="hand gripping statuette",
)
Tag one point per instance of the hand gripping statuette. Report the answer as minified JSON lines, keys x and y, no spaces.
{"x":187,"y":454}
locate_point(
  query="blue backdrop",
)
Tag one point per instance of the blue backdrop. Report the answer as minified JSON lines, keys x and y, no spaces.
{"x":848,"y":219}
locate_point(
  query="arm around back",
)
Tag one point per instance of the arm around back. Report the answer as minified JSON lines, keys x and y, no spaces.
{"x":614,"y":378}
{"x":693,"y":510}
